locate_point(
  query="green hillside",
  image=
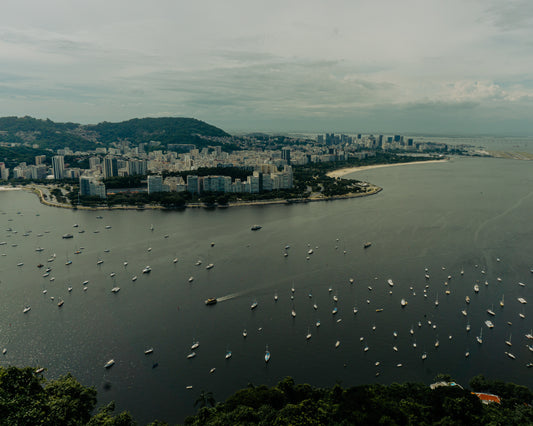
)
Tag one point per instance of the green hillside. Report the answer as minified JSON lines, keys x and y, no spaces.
{"x":52,"y":135}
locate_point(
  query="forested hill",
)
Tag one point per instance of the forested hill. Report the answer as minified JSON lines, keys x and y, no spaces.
{"x":49,"y":134}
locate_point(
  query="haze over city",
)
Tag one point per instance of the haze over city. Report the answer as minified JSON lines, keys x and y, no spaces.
{"x":456,"y":67}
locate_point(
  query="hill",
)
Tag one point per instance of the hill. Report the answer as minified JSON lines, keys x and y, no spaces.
{"x":166,"y":130}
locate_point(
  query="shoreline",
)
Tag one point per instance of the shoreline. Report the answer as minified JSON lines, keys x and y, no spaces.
{"x":348,"y":170}
{"x":370,"y":190}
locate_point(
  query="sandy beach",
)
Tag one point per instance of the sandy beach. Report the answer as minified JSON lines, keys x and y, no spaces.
{"x":348,"y":170}
{"x":9,"y":188}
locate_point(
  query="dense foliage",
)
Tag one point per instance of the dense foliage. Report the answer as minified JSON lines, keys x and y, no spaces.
{"x":12,"y":156}
{"x":52,"y":135}
{"x":288,"y":403}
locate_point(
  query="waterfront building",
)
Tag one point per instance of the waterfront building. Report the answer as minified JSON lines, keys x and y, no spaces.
{"x":4,"y":172}
{"x":58,"y":166}
{"x":39,"y":171}
{"x":110,"y":167}
{"x":90,"y":185}
{"x":193,"y":184}
{"x":155,"y":184}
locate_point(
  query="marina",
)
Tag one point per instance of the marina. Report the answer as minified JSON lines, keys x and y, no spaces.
{"x":163,"y":309}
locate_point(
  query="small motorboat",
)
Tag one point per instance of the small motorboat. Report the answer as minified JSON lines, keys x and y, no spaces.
{"x":109,"y":363}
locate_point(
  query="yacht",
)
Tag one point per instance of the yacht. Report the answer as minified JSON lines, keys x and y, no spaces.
{"x":267,"y":354}
{"x":437,"y":344}
{"x":60,"y":303}
{"x":480,"y":337}
{"x":134,"y":278}
{"x":175,"y":260}
{"x":491,"y":312}
{"x":476,"y":288}
{"x":437,"y":301}
{"x":530,"y":335}
{"x":209,"y":266}
{"x":424,"y":356}
{"x":464,"y":312}
{"x":308,"y":335}
{"x":315,"y":306}
{"x":367,"y":244}
{"x":395,"y":334}
{"x":395,"y":348}
{"x":293,"y":313}
{"x":521,"y":284}
{"x":228,"y":354}
{"x":212,"y":370}
{"x":411,"y":331}
{"x":99,"y":261}
{"x":335,"y":310}
{"x":403,"y":302}
{"x":337,"y":343}
{"x":191,"y":279}
{"x":508,"y":342}
{"x":191,"y":355}
{"x":391,"y":283}
{"x":510,"y":355}
{"x":468,"y":326}
{"x":317,"y":323}
{"x":109,"y":363}
{"x":195,"y":345}
{"x":244,"y":333}
{"x":366,"y":348}
{"x":149,"y":351}
{"x":489,"y":324}
{"x":26,"y":309}
{"x":355,"y":310}
{"x":522,"y":300}
{"x":115,"y":289}
{"x":467,"y":299}
{"x":501,"y":301}
{"x":253,"y":305}
{"x":147,"y":270}
{"x":275,"y":297}
{"x":112,"y":274}
{"x":467,"y":354}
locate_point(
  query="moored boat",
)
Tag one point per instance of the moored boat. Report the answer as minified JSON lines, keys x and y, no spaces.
{"x":109,"y":363}
{"x":210,"y":301}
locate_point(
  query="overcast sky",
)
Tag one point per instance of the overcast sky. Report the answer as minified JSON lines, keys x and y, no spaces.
{"x":427,"y":66}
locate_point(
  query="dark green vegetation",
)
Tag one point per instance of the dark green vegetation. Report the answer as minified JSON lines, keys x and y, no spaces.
{"x":51,"y":135}
{"x":27,"y":398}
{"x":12,"y":156}
{"x":288,"y":403}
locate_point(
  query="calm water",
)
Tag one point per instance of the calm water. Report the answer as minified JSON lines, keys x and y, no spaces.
{"x":463,"y":214}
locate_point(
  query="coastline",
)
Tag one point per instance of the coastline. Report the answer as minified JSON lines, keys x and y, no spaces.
{"x":369,"y":190}
{"x":348,"y":170}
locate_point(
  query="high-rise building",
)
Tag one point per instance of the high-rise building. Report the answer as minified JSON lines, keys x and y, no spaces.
{"x":4,"y":172}
{"x":193,"y":184}
{"x":40,"y":159}
{"x":286,"y":154}
{"x":91,"y":186}
{"x":155,"y":184}
{"x":110,"y":167}
{"x":58,"y":166}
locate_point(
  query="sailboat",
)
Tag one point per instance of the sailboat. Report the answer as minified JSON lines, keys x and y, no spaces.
{"x":468,"y":326}
{"x":267,"y":354}
{"x":437,"y":301}
{"x":308,"y":335}
{"x":480,"y":337}
{"x":508,"y":342}
{"x":501,"y":301}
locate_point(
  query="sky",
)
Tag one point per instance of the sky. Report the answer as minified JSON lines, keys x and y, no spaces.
{"x":419,"y":66}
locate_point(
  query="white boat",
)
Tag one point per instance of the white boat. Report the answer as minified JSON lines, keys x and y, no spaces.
{"x":521,"y":284}
{"x":489,"y":324}
{"x":476,"y":288}
{"x":530,"y":335}
{"x":315,"y":306}
{"x":191,"y":279}
{"x":149,"y":351}
{"x":209,"y":266}
{"x":335,"y":298}
{"x":491,"y":312}
{"x":244,"y":333}
{"x":335,"y":310}
{"x":437,"y":343}
{"x":424,"y":356}
{"x":212,"y":370}
{"x":365,"y":349}
{"x":510,"y":355}
{"x":125,"y":263}
{"x":395,"y":348}
{"x":112,"y":274}
{"x":60,"y":303}
{"x":403,"y":302}
{"x":109,"y":363}
{"x":464,"y":312}
{"x":308,"y":335}
{"x":480,"y":337}
{"x":191,"y":355}
{"x":69,"y":289}
{"x":115,"y":289}
{"x":310,"y":251}
{"x":337,"y":343}
{"x":411,"y":331}
{"x":437,"y":301}
{"x":467,"y":299}
{"x":293,"y":313}
{"x":175,"y":260}
{"x":395,"y":334}
{"x":467,"y":354}
{"x":195,"y":345}
{"x":522,"y":300}
{"x":501,"y":301}
{"x":391,"y":283}
{"x":355,"y":310}
{"x":99,"y":261}
{"x":267,"y":354}
{"x":26,"y":309}
{"x":228,"y":354}
{"x":147,"y":269}
{"x":134,"y":278}
{"x":198,"y":262}
{"x":317,"y":323}
{"x":275,"y":297}
{"x":508,"y":342}
{"x":468,"y":326}
{"x":253,"y":305}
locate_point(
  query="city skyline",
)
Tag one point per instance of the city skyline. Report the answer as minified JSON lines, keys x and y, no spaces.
{"x":453,"y":68}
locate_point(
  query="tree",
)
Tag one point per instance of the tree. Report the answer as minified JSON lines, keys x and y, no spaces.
{"x":205,"y":399}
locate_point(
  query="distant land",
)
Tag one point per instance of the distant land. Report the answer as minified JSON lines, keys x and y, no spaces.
{"x":52,"y":135}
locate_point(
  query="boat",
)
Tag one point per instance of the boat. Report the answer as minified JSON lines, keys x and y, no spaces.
{"x":195,"y":345}
{"x":308,"y":335}
{"x":522,"y":300}
{"x":355,"y":310}
{"x":335,"y":298}
{"x":467,"y":354}
{"x":489,"y":324}
{"x":491,"y":312}
{"x":267,"y":354}
{"x":315,"y":306}
{"x":198,"y":262}
{"x":510,"y":355}
{"x":317,"y":323}
{"x":149,"y":351}
{"x":293,"y":313}
{"x":212,"y":370}
{"x":437,"y":301}
{"x":115,"y":289}
{"x":367,"y":244}
{"x":228,"y":354}
{"x":437,"y":343}
{"x":85,"y":282}
{"x":337,"y":343}
{"x":424,"y":356}
{"x":99,"y":261}
{"x":151,"y":227}
{"x":476,"y":288}
{"x":175,"y":260}
{"x":468,"y":326}
{"x":379,"y":310}
{"x":69,"y":289}
{"x":480,"y":337}
{"x":26,"y":309}
{"x":109,"y":363}
{"x":244,"y":333}
{"x":39,"y":370}
{"x":529,"y":364}
{"x":501,"y":301}
{"x":403,"y":302}
{"x":210,"y":301}
{"x":147,"y":270}
{"x":191,"y":355}
{"x":395,"y":348}
{"x":191,"y":279}
{"x":112,"y":274}
{"x":521,"y":284}
{"x":66,"y":236}
{"x":60,"y":303}
{"x":256,"y":227}
{"x":275,"y":297}
{"x":134,"y":278}
{"x":391,"y":283}
{"x":508,"y":342}
{"x":530,"y":335}
{"x":253,"y":305}
{"x":39,"y":249}
{"x":108,"y":227}
{"x":335,"y":310}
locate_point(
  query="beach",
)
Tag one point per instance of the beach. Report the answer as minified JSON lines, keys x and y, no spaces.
{"x":348,"y":170}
